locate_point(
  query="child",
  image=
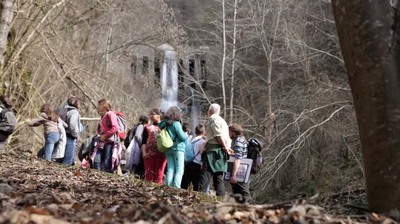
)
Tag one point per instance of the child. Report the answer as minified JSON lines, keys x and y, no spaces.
{"x":49,"y":119}
{"x":193,"y":164}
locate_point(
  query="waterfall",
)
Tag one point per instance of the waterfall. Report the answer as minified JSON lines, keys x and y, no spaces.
{"x":194,"y":111}
{"x":169,"y":81}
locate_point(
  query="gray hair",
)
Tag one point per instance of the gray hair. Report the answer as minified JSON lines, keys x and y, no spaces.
{"x":215,"y":108}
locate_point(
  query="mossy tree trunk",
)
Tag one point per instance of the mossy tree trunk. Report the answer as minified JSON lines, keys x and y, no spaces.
{"x":369,"y":38}
{"x":7,"y":7}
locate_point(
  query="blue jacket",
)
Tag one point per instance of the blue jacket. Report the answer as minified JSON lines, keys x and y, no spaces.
{"x":176,"y":133}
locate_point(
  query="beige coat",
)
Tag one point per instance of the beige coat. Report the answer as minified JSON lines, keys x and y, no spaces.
{"x":49,"y":126}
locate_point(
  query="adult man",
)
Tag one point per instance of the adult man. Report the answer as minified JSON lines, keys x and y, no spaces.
{"x":216,"y":152}
{"x":239,"y":146}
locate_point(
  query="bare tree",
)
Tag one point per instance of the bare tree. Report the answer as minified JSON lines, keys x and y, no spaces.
{"x":66,"y":47}
{"x":233,"y":65}
{"x":224,"y":49}
{"x":267,"y":32}
{"x":304,"y":97}
{"x":369,"y":34}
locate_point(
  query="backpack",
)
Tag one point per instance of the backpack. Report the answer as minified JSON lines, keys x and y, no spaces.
{"x":122,"y":125}
{"x":62,"y":113}
{"x":130,"y":135}
{"x":164,"y":141}
{"x":133,"y":154}
{"x":254,"y":152}
{"x":3,"y":119}
{"x":189,"y":152}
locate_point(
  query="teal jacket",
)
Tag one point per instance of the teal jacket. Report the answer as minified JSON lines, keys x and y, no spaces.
{"x":176,"y":133}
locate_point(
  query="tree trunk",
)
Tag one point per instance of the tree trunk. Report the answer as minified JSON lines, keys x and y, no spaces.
{"x":107,"y":51}
{"x":269,"y":101}
{"x":223,"y":56}
{"x":233,"y":62}
{"x":7,"y":7}
{"x":269,"y":75}
{"x":369,"y":39}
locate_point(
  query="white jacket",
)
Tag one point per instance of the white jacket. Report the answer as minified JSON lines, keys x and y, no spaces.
{"x":59,"y":151}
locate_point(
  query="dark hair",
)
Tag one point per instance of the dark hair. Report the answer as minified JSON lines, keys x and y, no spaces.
{"x":144,"y":119}
{"x":73,"y":101}
{"x":105,"y":102}
{"x":186,"y":127}
{"x":156,"y":111}
{"x":6,"y":101}
{"x":173,"y":114}
{"x":200,"y":129}
{"x":48,"y":110}
{"x":236,"y":128}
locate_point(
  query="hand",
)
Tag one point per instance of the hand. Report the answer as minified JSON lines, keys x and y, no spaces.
{"x":144,"y":155}
{"x":233,"y":180}
{"x":229,"y":151}
{"x":102,"y":138}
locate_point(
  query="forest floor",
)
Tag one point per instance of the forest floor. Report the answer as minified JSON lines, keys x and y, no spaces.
{"x":33,"y":191}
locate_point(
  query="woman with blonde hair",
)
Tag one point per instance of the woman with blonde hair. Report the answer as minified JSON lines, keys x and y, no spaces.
{"x":108,"y":137}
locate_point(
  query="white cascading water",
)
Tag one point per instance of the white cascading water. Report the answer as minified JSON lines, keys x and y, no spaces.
{"x":169,"y":81}
{"x":195,"y":120}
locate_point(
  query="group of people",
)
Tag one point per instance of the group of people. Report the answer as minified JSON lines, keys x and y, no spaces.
{"x":191,"y":160}
{"x":61,"y":131}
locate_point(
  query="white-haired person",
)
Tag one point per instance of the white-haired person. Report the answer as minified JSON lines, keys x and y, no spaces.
{"x":216,"y":153}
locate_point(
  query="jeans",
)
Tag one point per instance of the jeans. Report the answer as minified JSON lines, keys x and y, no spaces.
{"x":69,"y":155}
{"x":218,"y":180}
{"x":104,"y":157}
{"x":154,"y":168}
{"x":51,"y":140}
{"x":192,"y":175}
{"x":175,"y":167}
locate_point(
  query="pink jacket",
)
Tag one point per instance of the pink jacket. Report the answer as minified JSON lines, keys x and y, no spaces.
{"x":108,"y":126}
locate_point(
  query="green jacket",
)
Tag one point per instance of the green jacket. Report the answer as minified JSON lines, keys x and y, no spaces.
{"x":217,"y":158}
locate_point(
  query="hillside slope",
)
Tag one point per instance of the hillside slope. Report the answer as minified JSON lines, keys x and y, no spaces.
{"x":33,"y":191}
